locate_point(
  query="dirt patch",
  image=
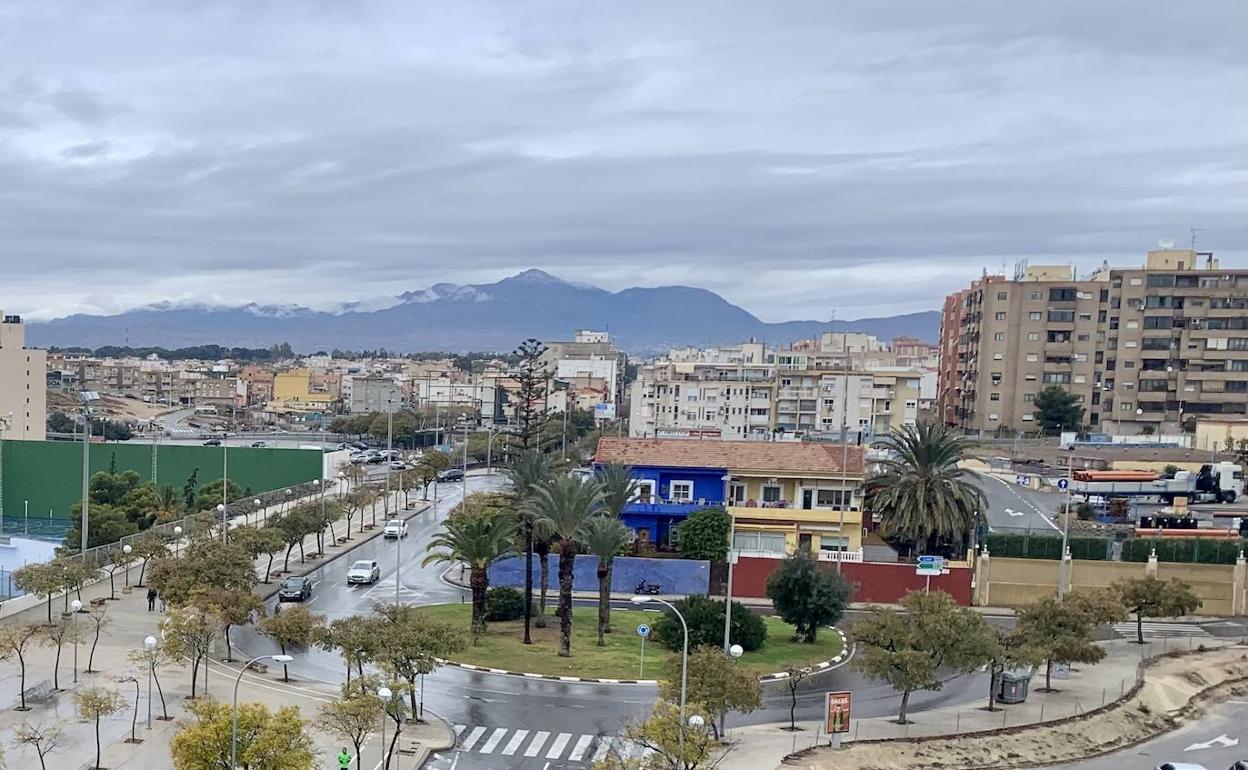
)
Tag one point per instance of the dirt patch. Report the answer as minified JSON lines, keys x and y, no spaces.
{"x":1176,"y":688}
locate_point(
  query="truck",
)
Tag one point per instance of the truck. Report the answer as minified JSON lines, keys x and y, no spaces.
{"x":1221,"y":482}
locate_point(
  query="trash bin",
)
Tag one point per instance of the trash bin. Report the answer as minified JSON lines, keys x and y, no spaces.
{"x":1012,"y":686}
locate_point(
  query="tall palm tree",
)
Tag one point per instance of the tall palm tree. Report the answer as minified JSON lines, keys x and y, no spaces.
{"x":619,"y":488}
{"x":529,"y":470}
{"x":477,"y":541}
{"x":606,"y":537}
{"x":563,"y":505}
{"x":168,"y":503}
{"x":922,"y":494}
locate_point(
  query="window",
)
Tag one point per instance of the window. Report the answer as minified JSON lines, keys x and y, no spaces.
{"x":1001,"y":295}
{"x":1028,"y":417}
{"x":1125,"y":406}
{"x":1155,"y":343}
{"x":1062,"y":316}
{"x":1033,"y":357}
{"x":645,"y":491}
{"x":1035,"y":315}
{"x":1029,"y":397}
{"x":1029,"y":377}
{"x":1136,"y":281}
{"x":1085,"y":316}
{"x":1057,"y":378}
{"x":771,"y":493}
{"x":834,"y":498}
{"x":1058,"y":336}
{"x":1037,"y":295}
{"x":1128,"y":364}
{"x":999,"y":337}
{"x":994,"y":396}
{"x":1104,"y":295}
{"x":997,"y":356}
{"x":766,"y":542}
{"x":1033,"y":336}
{"x":1062,"y":295}
{"x":833,"y":543}
{"x":1080,"y":379}
{"x":1000,"y":316}
{"x":1160,"y":280}
{"x":681,"y":491}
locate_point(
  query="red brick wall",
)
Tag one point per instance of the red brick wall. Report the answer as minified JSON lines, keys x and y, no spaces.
{"x":873,"y":581}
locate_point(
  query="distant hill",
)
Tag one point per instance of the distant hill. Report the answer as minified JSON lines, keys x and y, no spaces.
{"x":494,"y":316}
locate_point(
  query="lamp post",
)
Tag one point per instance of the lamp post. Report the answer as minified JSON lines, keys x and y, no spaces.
{"x":257,"y":505}
{"x":384,"y":694}
{"x":464,"y":416}
{"x":149,"y":644}
{"x":684,"y":660}
{"x":289,"y":493}
{"x":732,"y":559}
{"x":221,"y":512}
{"x":87,"y":396}
{"x":234,"y":712}
{"x":177,"y":540}
{"x":734,"y":651}
{"x":389,"y":452}
{"x":1065,"y":556}
{"x":76,"y":606}
{"x":127,"y":549}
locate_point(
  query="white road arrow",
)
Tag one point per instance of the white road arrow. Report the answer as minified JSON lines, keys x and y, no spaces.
{"x":1013,"y":512}
{"x":1221,"y":740}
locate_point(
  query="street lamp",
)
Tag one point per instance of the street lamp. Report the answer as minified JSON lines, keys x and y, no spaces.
{"x":149,"y":644}
{"x":127,"y":549}
{"x":177,"y":540}
{"x":464,"y":416}
{"x":289,"y":494}
{"x":234,"y":715}
{"x":86,"y":396}
{"x":384,"y":694}
{"x":684,"y":660}
{"x":257,"y":504}
{"x":732,"y":559}
{"x":76,"y":606}
{"x":221,"y":511}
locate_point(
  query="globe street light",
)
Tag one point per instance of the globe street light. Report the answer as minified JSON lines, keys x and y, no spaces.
{"x":76,"y":606}
{"x":697,"y":722}
{"x":177,"y":540}
{"x":221,"y":511}
{"x":257,"y":504}
{"x":127,"y":549}
{"x":384,"y":695}
{"x":149,"y":644}
{"x":234,"y":716}
{"x":684,"y":660}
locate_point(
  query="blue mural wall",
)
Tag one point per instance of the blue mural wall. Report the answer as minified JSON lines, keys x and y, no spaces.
{"x":676,"y":576}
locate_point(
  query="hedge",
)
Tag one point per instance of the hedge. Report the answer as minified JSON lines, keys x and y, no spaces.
{"x":1186,"y":550}
{"x":1028,"y":546}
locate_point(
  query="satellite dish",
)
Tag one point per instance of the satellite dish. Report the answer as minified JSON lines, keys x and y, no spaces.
{"x":1166,"y":243}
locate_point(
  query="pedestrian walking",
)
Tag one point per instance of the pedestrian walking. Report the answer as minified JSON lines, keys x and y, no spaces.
{"x":162,"y":602}
{"x":344,"y":759}
{"x":151,"y":599}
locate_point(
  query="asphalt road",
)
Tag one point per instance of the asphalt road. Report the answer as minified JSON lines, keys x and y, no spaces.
{"x":1013,"y":508}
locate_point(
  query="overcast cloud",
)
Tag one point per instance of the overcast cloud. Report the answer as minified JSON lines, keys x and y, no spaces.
{"x":799,"y":158}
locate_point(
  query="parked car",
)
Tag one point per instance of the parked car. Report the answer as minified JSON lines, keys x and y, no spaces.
{"x":451,"y":474}
{"x":295,"y":589}
{"x":258,"y":445}
{"x":1180,"y":766}
{"x":360,"y":445}
{"x":398,"y":465}
{"x":395,"y":529}
{"x":213,"y":442}
{"x":363,"y":571}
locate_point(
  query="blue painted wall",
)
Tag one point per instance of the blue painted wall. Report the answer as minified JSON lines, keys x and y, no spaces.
{"x":658,"y":519}
{"x":676,"y":576}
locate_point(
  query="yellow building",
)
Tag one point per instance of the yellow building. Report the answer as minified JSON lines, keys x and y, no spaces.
{"x":1221,"y":433}
{"x":295,"y":391}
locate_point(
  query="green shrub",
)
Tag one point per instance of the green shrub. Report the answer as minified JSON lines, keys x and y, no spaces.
{"x":1183,"y":551}
{"x":1027,"y":546}
{"x":504,"y":603}
{"x":704,"y":535}
{"x":705,"y":617}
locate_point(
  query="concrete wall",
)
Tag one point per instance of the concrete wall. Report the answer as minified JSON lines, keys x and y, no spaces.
{"x":676,"y":576}
{"x":872,"y":581}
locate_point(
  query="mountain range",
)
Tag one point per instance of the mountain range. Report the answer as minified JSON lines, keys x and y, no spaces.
{"x":494,"y":316}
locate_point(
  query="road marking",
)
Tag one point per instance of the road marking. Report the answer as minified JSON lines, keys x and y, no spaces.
{"x":604,"y":746}
{"x":1221,"y":740}
{"x":513,"y":745}
{"x":581,"y":746}
{"x":459,"y":730}
{"x":1158,"y":630}
{"x":556,"y":748}
{"x":535,"y":746}
{"x":492,"y":742}
{"x":473,"y":737}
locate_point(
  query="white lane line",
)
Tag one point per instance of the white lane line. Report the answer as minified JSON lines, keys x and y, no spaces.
{"x":556,"y":748}
{"x":459,"y":730}
{"x":535,"y":746}
{"x":579,"y":749}
{"x":473,"y":737}
{"x":513,"y":745}
{"x":604,"y":746}
{"x":492,"y":742}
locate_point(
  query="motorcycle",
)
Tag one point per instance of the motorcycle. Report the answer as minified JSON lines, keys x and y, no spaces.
{"x":648,"y":588}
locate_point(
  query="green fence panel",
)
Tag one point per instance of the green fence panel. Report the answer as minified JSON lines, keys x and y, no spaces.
{"x":1184,"y":551}
{"x":1028,"y":546}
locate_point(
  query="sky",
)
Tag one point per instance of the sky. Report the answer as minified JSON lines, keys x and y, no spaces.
{"x":803,"y":159}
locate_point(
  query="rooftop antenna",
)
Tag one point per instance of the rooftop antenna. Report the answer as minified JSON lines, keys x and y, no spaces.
{"x":1193,"y":231}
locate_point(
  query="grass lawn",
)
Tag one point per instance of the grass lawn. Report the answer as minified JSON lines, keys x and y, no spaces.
{"x":501,"y":646}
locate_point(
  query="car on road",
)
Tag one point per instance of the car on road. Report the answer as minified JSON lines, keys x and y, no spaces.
{"x":395,"y":528}
{"x":213,"y":442}
{"x":258,"y":445}
{"x":1240,"y":765}
{"x":398,"y":465}
{"x":1180,"y":766}
{"x":295,"y":589}
{"x":363,"y":571}
{"x":451,"y":474}
{"x":360,"y":445}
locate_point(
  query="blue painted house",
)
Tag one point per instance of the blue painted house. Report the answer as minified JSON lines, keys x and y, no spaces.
{"x":666,"y":495}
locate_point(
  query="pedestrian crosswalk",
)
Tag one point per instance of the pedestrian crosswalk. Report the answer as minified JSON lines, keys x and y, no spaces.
{"x":1160,"y":630}
{"x":540,"y":744}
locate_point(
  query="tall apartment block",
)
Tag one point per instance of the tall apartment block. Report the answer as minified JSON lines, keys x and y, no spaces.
{"x":1152,"y":346}
{"x":23,"y":384}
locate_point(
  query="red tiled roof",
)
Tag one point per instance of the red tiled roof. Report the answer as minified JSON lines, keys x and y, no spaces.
{"x":737,"y":456}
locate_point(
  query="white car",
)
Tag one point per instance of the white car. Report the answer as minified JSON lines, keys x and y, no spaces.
{"x":363,"y":571}
{"x":395,"y":528}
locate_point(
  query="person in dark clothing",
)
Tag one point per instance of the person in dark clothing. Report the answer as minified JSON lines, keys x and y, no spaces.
{"x":151,"y":599}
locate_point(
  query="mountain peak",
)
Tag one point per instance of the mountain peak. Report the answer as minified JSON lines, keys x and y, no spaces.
{"x":533,"y":275}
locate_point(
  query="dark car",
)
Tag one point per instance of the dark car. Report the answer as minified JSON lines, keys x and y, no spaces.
{"x":258,"y":445}
{"x":213,"y":442}
{"x":360,"y":445}
{"x":295,"y":589}
{"x":453,"y":474}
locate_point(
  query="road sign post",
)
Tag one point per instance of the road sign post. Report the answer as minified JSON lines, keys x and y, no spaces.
{"x":928,"y":566}
{"x":643,"y":631}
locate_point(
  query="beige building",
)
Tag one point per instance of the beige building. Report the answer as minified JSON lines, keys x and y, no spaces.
{"x":1150,"y":346}
{"x":1221,"y":433}
{"x":23,"y":384}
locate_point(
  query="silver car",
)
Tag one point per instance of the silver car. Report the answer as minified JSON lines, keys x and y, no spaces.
{"x":363,"y":571}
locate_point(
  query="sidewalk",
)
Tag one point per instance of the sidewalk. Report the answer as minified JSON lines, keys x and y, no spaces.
{"x":1081,"y":690}
{"x":130,"y":623}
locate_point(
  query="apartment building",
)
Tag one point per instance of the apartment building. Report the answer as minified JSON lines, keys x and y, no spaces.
{"x":23,"y":384}
{"x":590,"y":355}
{"x":1143,"y":349}
{"x":375,"y":394}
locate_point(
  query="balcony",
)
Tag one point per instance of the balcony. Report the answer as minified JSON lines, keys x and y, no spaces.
{"x":670,"y":507}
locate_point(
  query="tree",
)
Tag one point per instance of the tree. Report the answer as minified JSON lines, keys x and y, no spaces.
{"x":13,"y":642}
{"x":149,"y":546}
{"x":909,"y":651}
{"x":42,"y":579}
{"x":793,"y":678}
{"x":188,"y":633}
{"x":95,"y":703}
{"x":261,"y":541}
{"x":296,"y":627}
{"x":1008,"y":650}
{"x":704,"y":617}
{"x":354,"y":716}
{"x":204,"y":564}
{"x":75,"y":573}
{"x":606,"y":538}
{"x":295,"y":525}
{"x":354,"y":503}
{"x":532,"y":380}
{"x":98,"y":617}
{"x":922,"y":493}
{"x":1057,"y":409}
{"x":805,"y":596}
{"x":56,"y":636}
{"x":477,"y":540}
{"x":168,"y":503}
{"x":564,"y":505}
{"x":117,"y":559}
{"x":529,"y":469}
{"x":1151,"y":597}
{"x":717,"y":684}
{"x":43,"y":738}
{"x":1060,"y":631}
{"x":667,"y":744}
{"x":209,"y":496}
{"x":411,"y":644}
{"x":704,"y":535}
{"x":231,"y":607}
{"x":267,"y":740}
{"x":355,"y":637}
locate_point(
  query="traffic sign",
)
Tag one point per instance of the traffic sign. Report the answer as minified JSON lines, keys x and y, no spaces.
{"x":1022,"y":481}
{"x":643,"y":630}
{"x":1063,"y":483}
{"x":930,"y":565}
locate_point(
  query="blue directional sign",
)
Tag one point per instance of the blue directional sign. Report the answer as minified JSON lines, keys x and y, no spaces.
{"x":930,"y":565}
{"x":1063,"y":483}
{"x":643,"y":630}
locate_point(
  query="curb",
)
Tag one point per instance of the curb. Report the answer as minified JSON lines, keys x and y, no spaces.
{"x":818,"y":668}
{"x":548,"y":677}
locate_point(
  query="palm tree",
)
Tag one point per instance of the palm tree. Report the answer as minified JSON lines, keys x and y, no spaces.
{"x":563,"y":505}
{"x":530,"y":469}
{"x":168,"y":503}
{"x":606,"y":537}
{"x":922,"y":493}
{"x":477,"y":541}
{"x":619,"y":488}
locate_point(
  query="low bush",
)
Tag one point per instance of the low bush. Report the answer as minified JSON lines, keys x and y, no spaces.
{"x":1185,"y":551}
{"x":705,"y":617}
{"x":1028,"y":546}
{"x":504,"y":603}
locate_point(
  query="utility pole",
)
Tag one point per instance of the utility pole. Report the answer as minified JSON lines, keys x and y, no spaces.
{"x":847,"y":495}
{"x":1064,"y":578}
